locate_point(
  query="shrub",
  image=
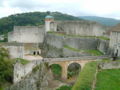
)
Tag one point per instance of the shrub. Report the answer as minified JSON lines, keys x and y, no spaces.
{"x":6,"y":67}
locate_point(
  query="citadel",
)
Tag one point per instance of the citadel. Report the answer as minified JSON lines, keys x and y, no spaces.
{"x":35,"y":36}
{"x":61,"y":40}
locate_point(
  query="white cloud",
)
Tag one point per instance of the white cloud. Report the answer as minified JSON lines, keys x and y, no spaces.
{"x":109,"y":8}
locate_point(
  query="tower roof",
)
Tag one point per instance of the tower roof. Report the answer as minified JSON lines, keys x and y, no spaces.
{"x":49,"y":17}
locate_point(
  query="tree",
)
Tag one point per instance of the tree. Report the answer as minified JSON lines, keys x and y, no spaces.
{"x":6,"y":67}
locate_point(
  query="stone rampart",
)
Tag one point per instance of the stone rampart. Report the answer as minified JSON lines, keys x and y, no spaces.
{"x":27,"y":34}
{"x":84,"y":28}
{"x":20,"y":70}
{"x":110,"y":65}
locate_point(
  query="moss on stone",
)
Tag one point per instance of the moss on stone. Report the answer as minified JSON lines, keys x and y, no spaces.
{"x":36,"y":68}
{"x":22,"y":61}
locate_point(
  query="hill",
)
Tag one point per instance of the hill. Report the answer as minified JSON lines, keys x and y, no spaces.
{"x":31,"y":18}
{"x":102,"y":20}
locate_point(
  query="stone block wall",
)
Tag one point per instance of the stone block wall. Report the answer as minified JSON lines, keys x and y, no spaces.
{"x":110,"y":65}
{"x":103,"y":46}
{"x":81,"y":42}
{"x":27,"y":34}
{"x":55,"y":45}
{"x":83,"y":28}
{"x":55,"y":40}
{"x":20,"y":70}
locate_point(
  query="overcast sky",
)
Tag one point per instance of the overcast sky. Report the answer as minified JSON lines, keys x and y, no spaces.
{"x":103,"y":8}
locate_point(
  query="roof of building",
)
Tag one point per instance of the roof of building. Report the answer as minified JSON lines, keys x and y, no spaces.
{"x":48,"y":16}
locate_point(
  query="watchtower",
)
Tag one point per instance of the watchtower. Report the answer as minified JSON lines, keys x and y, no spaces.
{"x":48,"y":20}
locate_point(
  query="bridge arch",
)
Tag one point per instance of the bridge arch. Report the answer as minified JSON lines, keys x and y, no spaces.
{"x":56,"y":70}
{"x":73,"y":69}
{"x":66,"y":63}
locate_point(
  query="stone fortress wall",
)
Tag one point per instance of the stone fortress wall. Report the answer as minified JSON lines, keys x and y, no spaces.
{"x":27,"y":34}
{"x":56,"y":45}
{"x":16,"y":50}
{"x":115,"y":42}
{"x":83,"y":28}
{"x":20,"y":70}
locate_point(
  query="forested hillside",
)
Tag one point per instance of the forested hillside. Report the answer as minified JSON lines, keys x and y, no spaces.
{"x":102,"y":20}
{"x":31,"y":18}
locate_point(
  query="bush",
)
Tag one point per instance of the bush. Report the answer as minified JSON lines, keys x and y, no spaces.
{"x":6,"y":67}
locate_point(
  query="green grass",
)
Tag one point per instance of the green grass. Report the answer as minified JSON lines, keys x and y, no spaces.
{"x":92,"y":52}
{"x":22,"y":61}
{"x":64,"y":87}
{"x":73,"y":49}
{"x":108,"y":80}
{"x":103,"y":38}
{"x":86,"y":77}
{"x":1,"y":88}
{"x":69,"y":35}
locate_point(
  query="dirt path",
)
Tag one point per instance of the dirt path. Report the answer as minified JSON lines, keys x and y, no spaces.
{"x":95,"y":79}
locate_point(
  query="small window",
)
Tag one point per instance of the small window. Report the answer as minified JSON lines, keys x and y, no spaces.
{"x":34,"y":53}
{"x":38,"y":53}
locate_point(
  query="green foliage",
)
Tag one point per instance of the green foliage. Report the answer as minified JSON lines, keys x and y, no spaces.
{"x":94,"y":52}
{"x":56,"y":69}
{"x":6,"y":67}
{"x":108,"y":80}
{"x":103,"y":38}
{"x":22,"y":61}
{"x":86,"y":77}
{"x":31,"y":19}
{"x":1,"y":88}
{"x":73,"y":49}
{"x":65,"y":87}
{"x":36,"y":68}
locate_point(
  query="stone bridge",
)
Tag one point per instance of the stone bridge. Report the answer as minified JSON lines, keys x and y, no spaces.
{"x":65,"y":62}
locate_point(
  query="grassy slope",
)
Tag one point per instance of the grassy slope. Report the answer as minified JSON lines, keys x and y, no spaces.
{"x":22,"y":61}
{"x":92,"y":52}
{"x":64,"y":87}
{"x":86,"y":77}
{"x":69,"y":35}
{"x":108,"y":80}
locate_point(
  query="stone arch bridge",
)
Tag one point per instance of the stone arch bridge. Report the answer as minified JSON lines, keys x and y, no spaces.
{"x":65,"y":62}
